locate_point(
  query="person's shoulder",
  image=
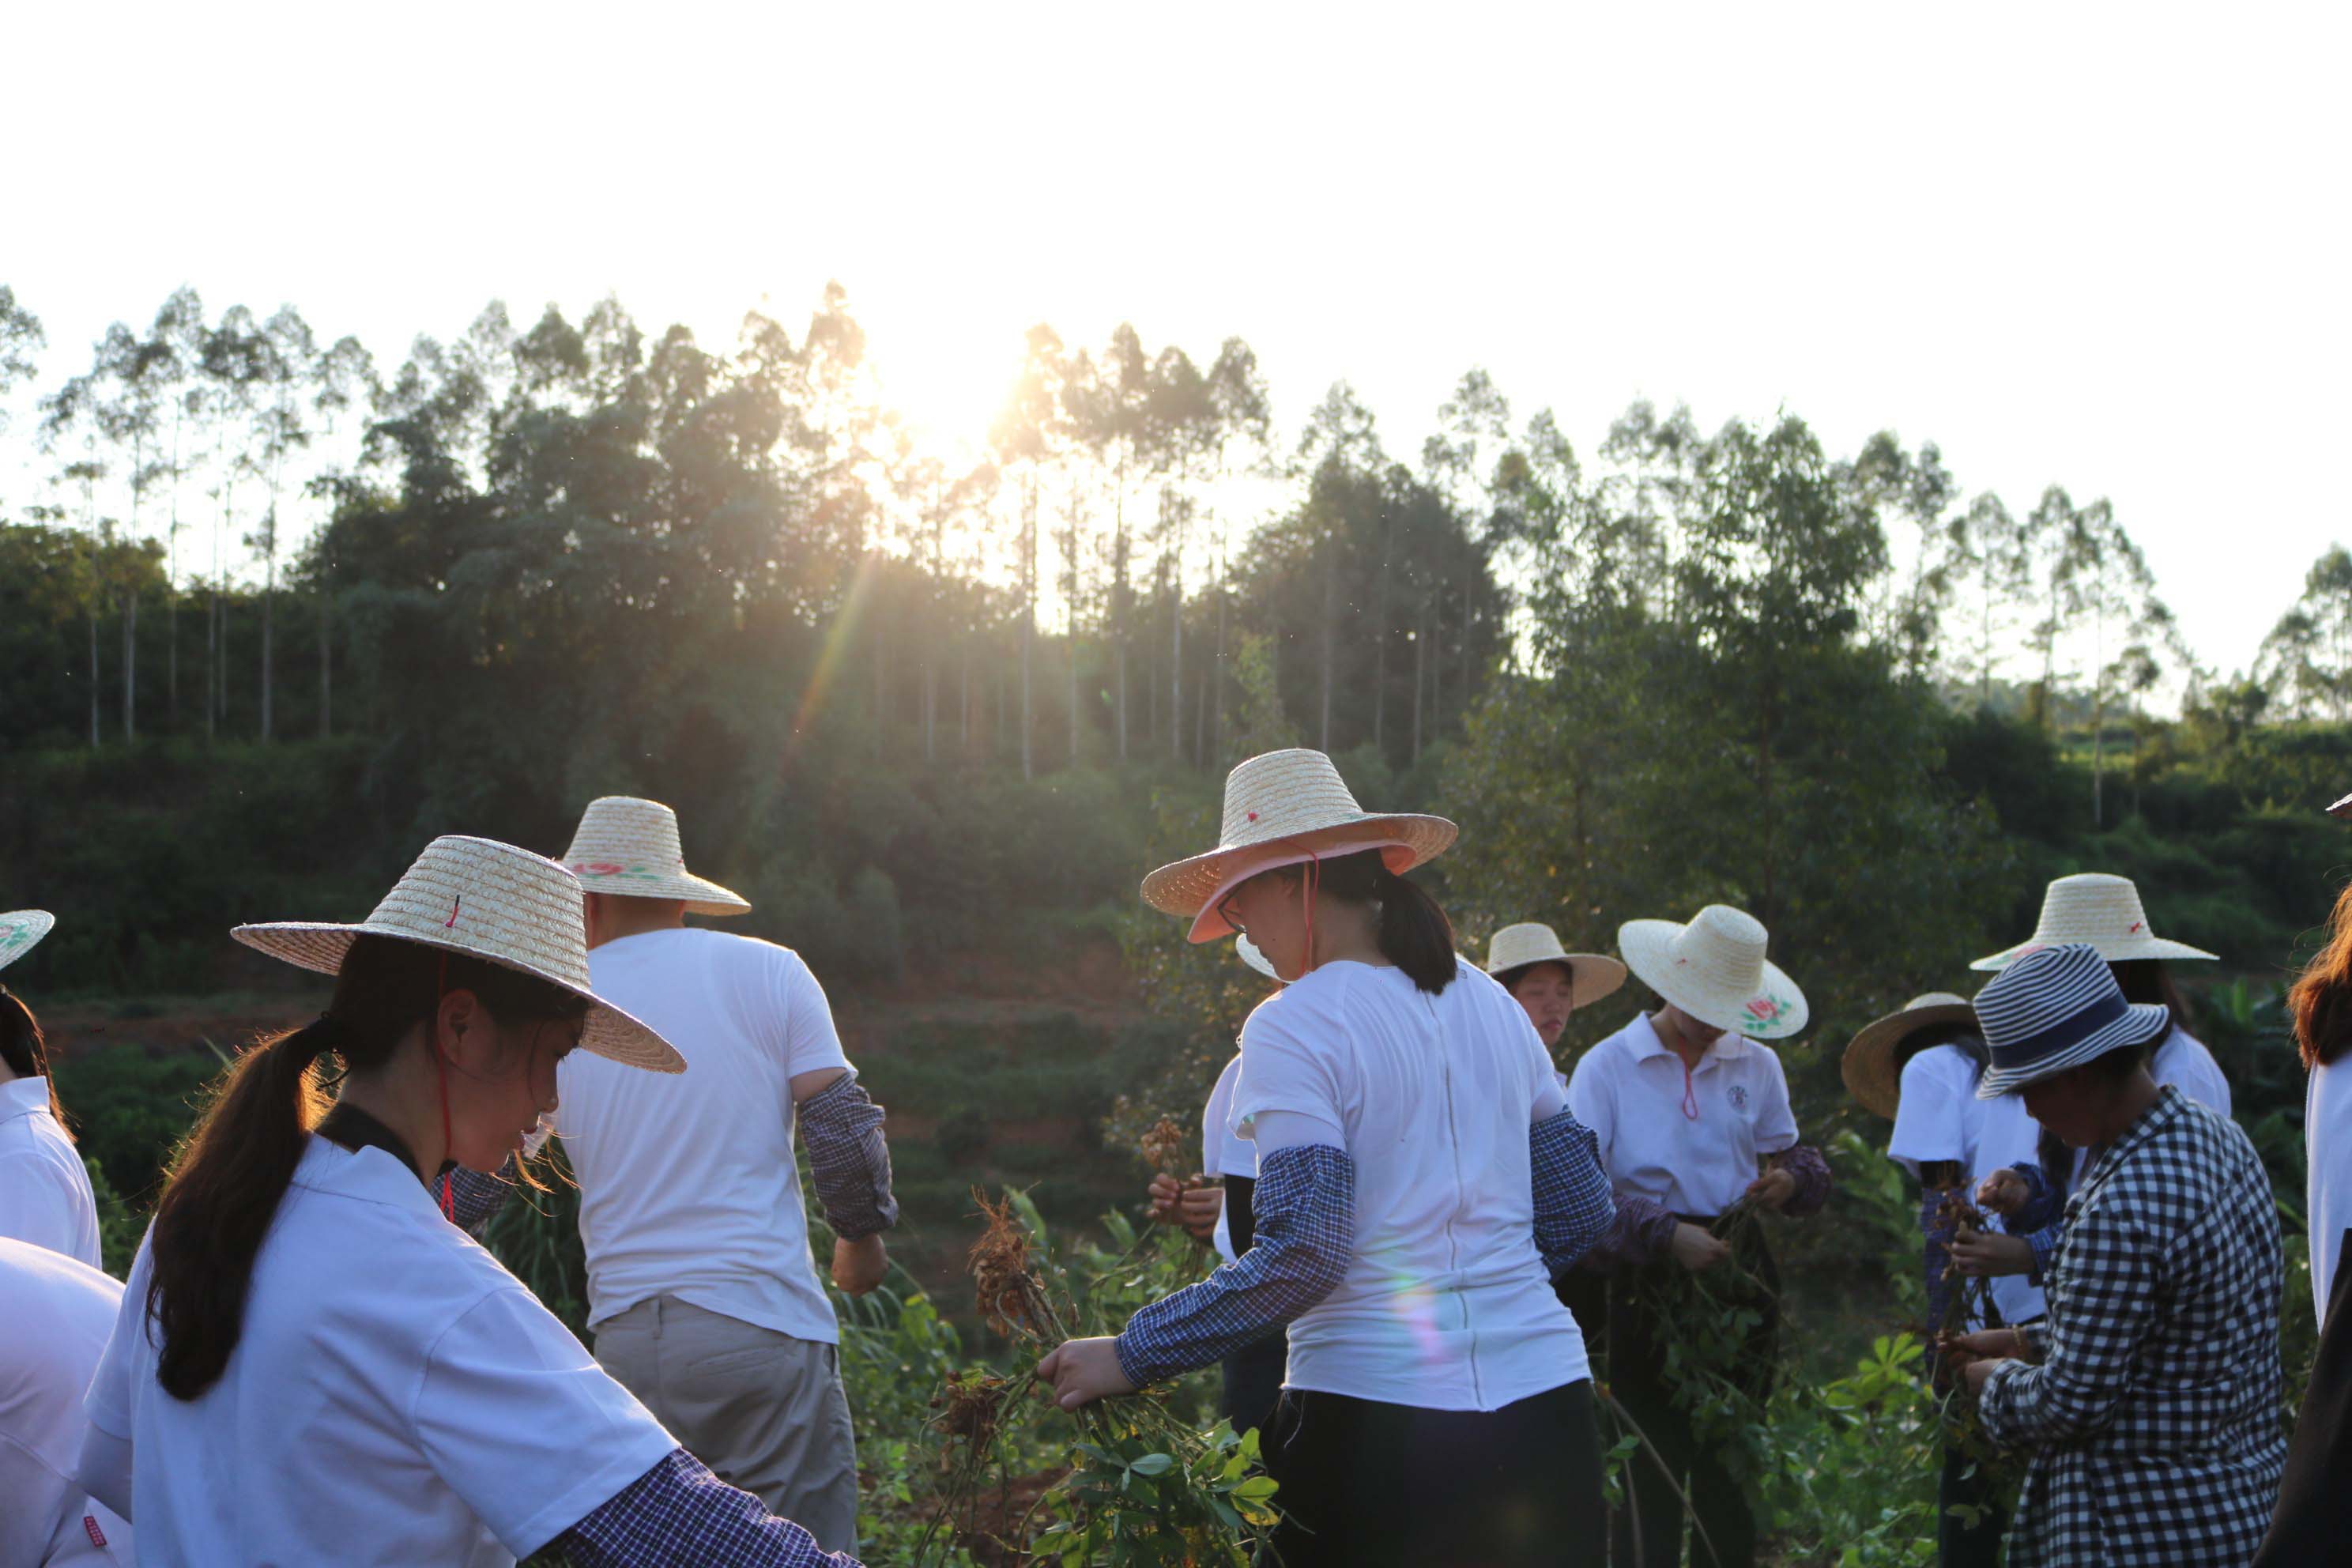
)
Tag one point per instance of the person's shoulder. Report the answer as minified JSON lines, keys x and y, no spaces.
{"x":1944,"y":1066}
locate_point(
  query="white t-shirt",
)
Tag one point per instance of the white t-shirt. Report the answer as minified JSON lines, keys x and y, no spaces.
{"x":1940,"y":1118}
{"x":57,"y":1314}
{"x":2183,"y":1062}
{"x":396,"y":1397}
{"x":687,"y":1185}
{"x":1445,"y":1304}
{"x":2327,"y":1137}
{"x":44,"y":1194}
{"x":1689,"y":1139}
{"x":1224,"y":1152}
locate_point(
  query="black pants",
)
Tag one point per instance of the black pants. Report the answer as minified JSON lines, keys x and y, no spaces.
{"x":1367,"y":1485}
{"x":1957,"y":1546}
{"x":1650,"y":1532}
{"x":1252,"y":1382}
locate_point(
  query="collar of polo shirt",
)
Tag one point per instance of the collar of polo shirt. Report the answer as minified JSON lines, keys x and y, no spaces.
{"x":1729,"y":1046}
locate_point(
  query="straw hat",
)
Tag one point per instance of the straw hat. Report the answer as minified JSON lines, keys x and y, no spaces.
{"x":1869,"y":1069}
{"x":2098,"y":911}
{"x":21,"y":931}
{"x":1283,"y":808}
{"x":2056,"y":1009}
{"x":1713,"y":969}
{"x":1591,"y":977}
{"x":490,"y":901}
{"x":629,"y":847}
{"x":2342,"y":808}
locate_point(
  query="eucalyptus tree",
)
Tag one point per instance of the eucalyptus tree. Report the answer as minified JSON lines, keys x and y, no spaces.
{"x":1341,"y":438}
{"x":290,"y":369}
{"x":1990,"y":544}
{"x":1182,"y":416}
{"x":2102,"y":573}
{"x":1244,"y":423}
{"x":137,"y":377}
{"x":1460,"y":460}
{"x":1110,"y":403}
{"x":179,"y":330}
{"x":235,"y":365}
{"x":343,"y":379}
{"x":1029,"y":435}
{"x":22,"y":339}
{"x":2308,"y":655}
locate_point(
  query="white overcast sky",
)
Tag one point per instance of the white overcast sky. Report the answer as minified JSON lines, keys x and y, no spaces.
{"x":2103,"y":245}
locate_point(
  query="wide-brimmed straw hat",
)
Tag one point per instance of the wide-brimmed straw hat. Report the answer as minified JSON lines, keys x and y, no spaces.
{"x":1714,"y":970}
{"x":1871,"y":1073}
{"x":629,"y":847}
{"x":1283,"y":808}
{"x":488,"y":901}
{"x":21,"y":931}
{"x":2099,"y":911}
{"x":2056,"y":1009}
{"x":1591,"y":975}
{"x":2342,"y":809}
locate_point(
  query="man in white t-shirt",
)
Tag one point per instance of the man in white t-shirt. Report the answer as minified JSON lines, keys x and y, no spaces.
{"x":703,"y":1299}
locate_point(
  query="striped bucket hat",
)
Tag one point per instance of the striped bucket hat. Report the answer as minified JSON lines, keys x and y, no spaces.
{"x":2054,"y":1009}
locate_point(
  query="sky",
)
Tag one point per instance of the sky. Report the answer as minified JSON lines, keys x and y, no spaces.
{"x":2096,"y":245}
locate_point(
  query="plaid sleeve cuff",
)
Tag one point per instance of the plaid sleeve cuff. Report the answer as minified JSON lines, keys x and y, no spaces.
{"x":1642,"y":1232}
{"x":2042,"y":1206}
{"x":475,"y":1197}
{"x":1573,"y":1206}
{"x":849,"y":1160}
{"x":1813,"y":1182}
{"x":2045,"y":1243}
{"x":679,"y":1514}
{"x":1305,"y":1206}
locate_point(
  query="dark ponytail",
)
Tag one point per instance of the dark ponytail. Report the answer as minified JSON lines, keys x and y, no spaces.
{"x":229,"y":1176}
{"x":22,"y":1048}
{"x":1414,"y":933}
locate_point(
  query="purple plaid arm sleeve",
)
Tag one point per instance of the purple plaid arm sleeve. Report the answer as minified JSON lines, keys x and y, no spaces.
{"x":1643,"y":1231}
{"x":679,"y":1514}
{"x":1573,"y":1208}
{"x":2042,"y":1207}
{"x":849,"y":1160}
{"x":1812,"y":1173}
{"x":475,"y":1197}
{"x":1305,"y":1206}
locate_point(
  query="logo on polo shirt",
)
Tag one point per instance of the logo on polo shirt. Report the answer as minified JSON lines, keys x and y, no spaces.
{"x":97,"y":1536}
{"x":1738,"y":1095}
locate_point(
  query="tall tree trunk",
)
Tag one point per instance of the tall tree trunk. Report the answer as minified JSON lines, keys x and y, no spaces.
{"x":131,"y":665}
{"x":1217,"y":672}
{"x":931,"y":714}
{"x":1420,"y":668}
{"x":269,"y":589}
{"x":1437,"y":666}
{"x":1176,"y":656}
{"x":326,"y":655}
{"x":1330,"y":618}
{"x":963,"y":716}
{"x":1380,"y":651}
{"x":93,"y":666}
{"x":1468,"y":664}
{"x":212,"y":658}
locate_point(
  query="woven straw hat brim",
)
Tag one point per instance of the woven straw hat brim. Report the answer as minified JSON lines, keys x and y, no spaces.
{"x":608,"y":1031}
{"x":1868,"y":1067}
{"x":2121,"y":951}
{"x":1590,"y":975}
{"x":2141,"y":1022}
{"x":1775,"y":1011}
{"x":702,"y":896}
{"x":2342,"y":809}
{"x":21,"y":931}
{"x":1187,"y":887}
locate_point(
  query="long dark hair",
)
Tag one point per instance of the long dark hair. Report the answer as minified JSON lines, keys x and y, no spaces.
{"x":1414,"y":933}
{"x":233,"y":1168}
{"x":1960,"y":1035}
{"x":2320,"y":1002}
{"x":26,"y":1053}
{"x":2148,"y":982}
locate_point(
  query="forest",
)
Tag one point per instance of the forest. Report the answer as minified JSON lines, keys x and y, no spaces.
{"x":279,"y":612}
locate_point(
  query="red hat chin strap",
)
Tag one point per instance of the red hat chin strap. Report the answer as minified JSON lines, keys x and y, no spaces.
{"x":441,"y":1078}
{"x":1312,"y":882}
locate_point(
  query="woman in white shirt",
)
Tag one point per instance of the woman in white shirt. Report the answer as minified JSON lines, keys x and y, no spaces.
{"x":45,"y":1192}
{"x":1419,"y":1184}
{"x":1920,"y":1067}
{"x":312,"y":1364}
{"x":1685,"y":1102}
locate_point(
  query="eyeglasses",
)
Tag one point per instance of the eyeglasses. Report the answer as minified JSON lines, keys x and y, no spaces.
{"x":1224,"y":908}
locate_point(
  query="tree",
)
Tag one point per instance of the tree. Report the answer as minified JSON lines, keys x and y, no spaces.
{"x":2308,"y":655}
{"x":2101,"y":573}
{"x":21,"y":338}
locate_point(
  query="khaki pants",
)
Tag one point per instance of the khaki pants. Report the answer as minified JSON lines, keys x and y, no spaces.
{"x":763,"y":1410}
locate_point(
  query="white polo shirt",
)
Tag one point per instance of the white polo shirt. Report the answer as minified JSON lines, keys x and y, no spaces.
{"x":396,"y":1397}
{"x":2183,"y":1062}
{"x":1687,"y":1139}
{"x":1224,"y":1152}
{"x":1940,"y":1118}
{"x":57,"y":1314}
{"x":1445,"y":1304}
{"x":44,"y":1193}
{"x":687,"y":1185}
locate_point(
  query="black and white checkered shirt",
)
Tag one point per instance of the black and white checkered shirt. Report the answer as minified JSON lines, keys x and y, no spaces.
{"x":2153,"y":1409}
